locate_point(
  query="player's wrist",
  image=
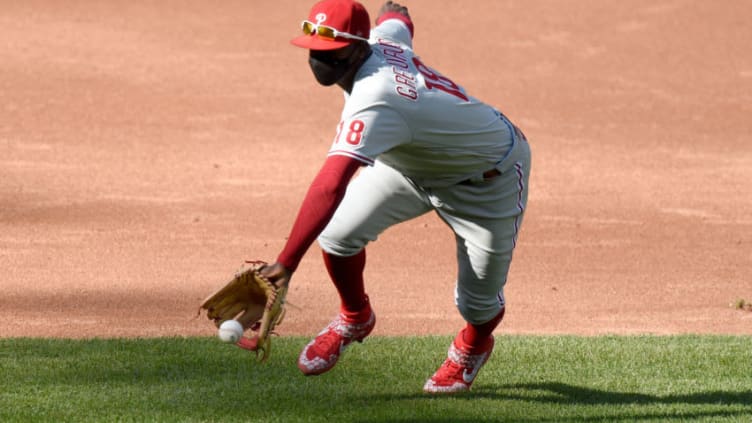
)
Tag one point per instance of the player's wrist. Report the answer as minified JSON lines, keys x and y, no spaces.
{"x":290,"y":263}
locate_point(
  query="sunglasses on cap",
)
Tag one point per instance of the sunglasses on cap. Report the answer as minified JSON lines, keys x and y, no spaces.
{"x":327,"y":32}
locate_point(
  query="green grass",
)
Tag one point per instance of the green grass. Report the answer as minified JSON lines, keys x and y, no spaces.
{"x":528,"y":379}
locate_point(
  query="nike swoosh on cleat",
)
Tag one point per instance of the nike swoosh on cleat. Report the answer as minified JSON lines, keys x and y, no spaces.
{"x":468,"y":377}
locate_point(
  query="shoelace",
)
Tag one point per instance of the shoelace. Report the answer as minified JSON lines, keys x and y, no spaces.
{"x":463,"y":359}
{"x":348,"y":330}
{"x":452,"y":369}
{"x":332,"y":338}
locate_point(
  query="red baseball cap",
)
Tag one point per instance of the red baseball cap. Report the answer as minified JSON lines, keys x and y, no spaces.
{"x":345,"y":16}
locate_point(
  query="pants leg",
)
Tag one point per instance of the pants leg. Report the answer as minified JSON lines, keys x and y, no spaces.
{"x":486,"y":219}
{"x":379,"y":197}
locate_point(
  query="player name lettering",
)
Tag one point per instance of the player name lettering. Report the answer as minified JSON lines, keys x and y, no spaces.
{"x":395,"y":56}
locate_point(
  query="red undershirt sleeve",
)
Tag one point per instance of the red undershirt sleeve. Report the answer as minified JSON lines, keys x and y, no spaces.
{"x":318,"y":207}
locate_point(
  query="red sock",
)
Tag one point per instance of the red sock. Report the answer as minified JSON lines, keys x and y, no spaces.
{"x":477,"y":335}
{"x":347,"y":275}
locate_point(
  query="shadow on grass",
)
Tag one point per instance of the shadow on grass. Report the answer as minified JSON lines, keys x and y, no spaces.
{"x":562,"y":393}
{"x":554,"y":393}
{"x":631,"y":417}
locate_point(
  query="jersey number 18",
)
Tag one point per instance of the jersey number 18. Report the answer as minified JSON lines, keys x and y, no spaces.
{"x":436,"y":80}
{"x":354,"y":134}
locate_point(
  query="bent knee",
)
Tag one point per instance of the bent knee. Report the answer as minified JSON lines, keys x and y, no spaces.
{"x":339,"y":247}
{"x":477,"y":312}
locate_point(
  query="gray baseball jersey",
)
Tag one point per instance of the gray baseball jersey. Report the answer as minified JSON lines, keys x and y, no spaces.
{"x":416,"y":120}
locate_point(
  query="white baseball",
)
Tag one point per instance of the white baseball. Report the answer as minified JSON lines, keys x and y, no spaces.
{"x":230,"y":331}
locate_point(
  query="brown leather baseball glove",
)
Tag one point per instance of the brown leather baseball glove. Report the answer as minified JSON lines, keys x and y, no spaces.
{"x":252,"y":300}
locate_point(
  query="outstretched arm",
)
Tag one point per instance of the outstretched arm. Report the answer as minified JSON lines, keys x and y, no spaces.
{"x":324,"y":195}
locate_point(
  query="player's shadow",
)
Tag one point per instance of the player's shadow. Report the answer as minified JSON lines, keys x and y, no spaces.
{"x":562,"y":393}
{"x":556,"y":393}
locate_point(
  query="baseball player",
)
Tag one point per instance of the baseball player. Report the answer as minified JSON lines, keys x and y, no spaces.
{"x":424,"y":144}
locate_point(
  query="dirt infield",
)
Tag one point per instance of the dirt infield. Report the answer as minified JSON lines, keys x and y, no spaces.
{"x":148,"y":148}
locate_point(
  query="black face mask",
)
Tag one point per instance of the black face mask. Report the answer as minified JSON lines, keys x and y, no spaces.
{"x":330,"y":71}
{"x":330,"y":66}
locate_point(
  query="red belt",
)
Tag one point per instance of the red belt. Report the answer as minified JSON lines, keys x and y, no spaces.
{"x":490,"y":174}
{"x":487,"y":175}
